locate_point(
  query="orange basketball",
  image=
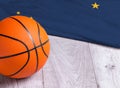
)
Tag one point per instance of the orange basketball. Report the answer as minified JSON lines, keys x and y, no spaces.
{"x":24,"y":46}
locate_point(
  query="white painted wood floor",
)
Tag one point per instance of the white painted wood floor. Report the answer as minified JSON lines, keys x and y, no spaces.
{"x":74,"y":64}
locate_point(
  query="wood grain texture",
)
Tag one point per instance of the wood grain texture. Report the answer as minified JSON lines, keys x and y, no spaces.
{"x":106,"y":62}
{"x":70,"y":65}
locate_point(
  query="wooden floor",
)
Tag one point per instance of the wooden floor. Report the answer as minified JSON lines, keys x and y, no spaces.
{"x":74,"y":64}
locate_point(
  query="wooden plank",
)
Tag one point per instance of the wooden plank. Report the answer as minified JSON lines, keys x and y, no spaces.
{"x":106,"y":63}
{"x":69,"y":65}
{"x":34,"y":81}
{"x":7,"y":82}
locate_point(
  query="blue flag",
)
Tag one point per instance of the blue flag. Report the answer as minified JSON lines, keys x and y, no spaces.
{"x":96,"y":21}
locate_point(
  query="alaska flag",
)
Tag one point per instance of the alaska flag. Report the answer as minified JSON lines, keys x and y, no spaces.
{"x":96,"y":21}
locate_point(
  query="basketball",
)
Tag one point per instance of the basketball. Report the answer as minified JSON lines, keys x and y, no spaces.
{"x":24,"y":46}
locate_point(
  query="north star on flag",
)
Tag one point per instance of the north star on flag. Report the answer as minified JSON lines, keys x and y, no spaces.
{"x":96,"y":21}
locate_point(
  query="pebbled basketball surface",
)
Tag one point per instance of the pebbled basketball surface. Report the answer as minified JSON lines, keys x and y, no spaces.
{"x":24,"y":46}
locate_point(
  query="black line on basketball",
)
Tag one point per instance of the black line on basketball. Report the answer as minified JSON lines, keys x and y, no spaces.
{"x":30,"y":36}
{"x":41,"y":41}
{"x":27,"y":52}
{"x":7,"y":57}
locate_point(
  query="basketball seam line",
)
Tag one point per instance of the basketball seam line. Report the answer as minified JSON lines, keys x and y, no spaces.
{"x":26,"y":62}
{"x":27,"y":52}
{"x":30,"y":36}
{"x":7,"y":57}
{"x":41,"y":41}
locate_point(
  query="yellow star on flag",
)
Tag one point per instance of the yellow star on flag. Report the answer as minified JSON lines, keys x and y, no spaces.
{"x":18,"y":12}
{"x":95,"y":5}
